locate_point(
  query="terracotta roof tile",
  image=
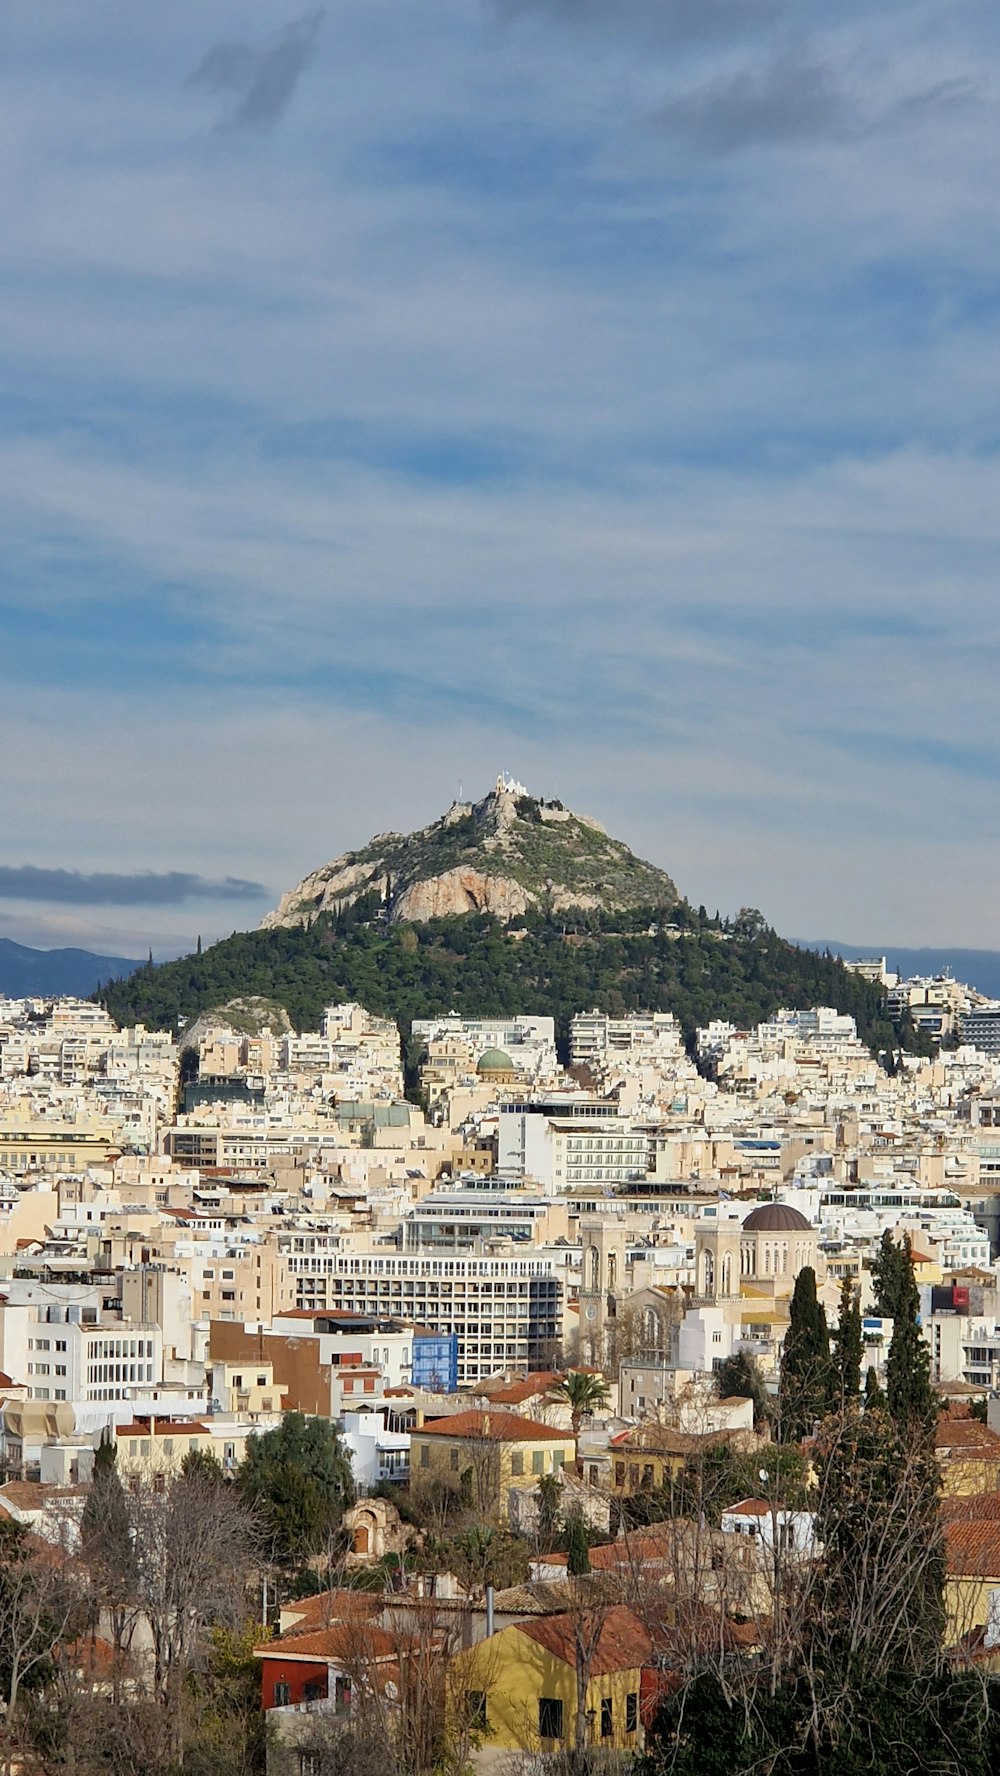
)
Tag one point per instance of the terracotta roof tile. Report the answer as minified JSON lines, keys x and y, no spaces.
{"x":342,"y":1640}
{"x":971,"y":1507}
{"x":973,"y":1549}
{"x":623,"y":1644}
{"x":503,"y":1427}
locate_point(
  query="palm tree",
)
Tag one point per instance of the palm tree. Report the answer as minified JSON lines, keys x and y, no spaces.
{"x":583,"y":1392}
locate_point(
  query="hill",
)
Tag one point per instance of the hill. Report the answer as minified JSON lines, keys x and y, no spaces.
{"x":507,"y":854}
{"x":28,"y":974}
{"x":510,"y":904}
{"x":541,"y":963}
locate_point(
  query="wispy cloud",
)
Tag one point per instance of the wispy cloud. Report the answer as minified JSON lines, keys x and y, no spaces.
{"x":144,"y":888}
{"x":263,"y":81}
{"x":797,"y":99}
{"x":672,"y":21}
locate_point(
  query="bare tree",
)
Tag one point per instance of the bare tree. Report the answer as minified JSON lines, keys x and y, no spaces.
{"x":194,"y":1545}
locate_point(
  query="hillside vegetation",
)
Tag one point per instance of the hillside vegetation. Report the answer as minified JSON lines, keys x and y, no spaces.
{"x":541,"y":963}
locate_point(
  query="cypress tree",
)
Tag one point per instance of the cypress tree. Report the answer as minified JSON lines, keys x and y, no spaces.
{"x":873,"y":1390}
{"x":806,"y":1384}
{"x":848,"y":1349}
{"x":577,"y":1546}
{"x":910,"y":1398}
{"x":891,"y":1275}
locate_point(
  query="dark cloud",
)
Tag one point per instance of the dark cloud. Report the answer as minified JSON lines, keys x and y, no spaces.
{"x":71,"y":888}
{"x":675,"y":21}
{"x":263,"y":80}
{"x":794,"y":100}
{"x":947,"y":95}
{"x":788,"y":101}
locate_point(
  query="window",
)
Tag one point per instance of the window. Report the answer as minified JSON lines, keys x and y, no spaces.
{"x":517,"y":1462}
{"x":309,"y":1763}
{"x":538,"y":1461}
{"x":631,"y":1711}
{"x":342,"y":1695}
{"x":453,"y":1460}
{"x":282,"y":1695}
{"x":607,"y":1717}
{"x":475,"y":1711}
{"x":550,"y":1717}
{"x":425,"y":1455}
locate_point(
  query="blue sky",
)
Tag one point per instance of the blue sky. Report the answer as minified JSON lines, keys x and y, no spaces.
{"x":395,"y":393}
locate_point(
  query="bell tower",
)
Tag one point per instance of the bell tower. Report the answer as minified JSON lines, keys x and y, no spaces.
{"x":602,"y":1285}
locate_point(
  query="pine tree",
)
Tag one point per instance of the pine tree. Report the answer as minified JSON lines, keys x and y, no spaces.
{"x":805,"y":1388}
{"x":848,"y":1349}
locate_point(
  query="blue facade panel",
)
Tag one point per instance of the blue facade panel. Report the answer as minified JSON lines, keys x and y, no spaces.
{"x":435,"y":1361}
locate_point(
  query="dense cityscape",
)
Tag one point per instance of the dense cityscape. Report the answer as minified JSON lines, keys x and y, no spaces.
{"x":499,"y":948}
{"x":461,"y":1395}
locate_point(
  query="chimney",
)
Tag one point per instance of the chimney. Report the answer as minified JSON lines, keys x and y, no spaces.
{"x":489,"y":1611}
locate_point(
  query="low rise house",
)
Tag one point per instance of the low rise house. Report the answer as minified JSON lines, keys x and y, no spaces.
{"x":488,"y":1453}
{"x":523,"y":1681}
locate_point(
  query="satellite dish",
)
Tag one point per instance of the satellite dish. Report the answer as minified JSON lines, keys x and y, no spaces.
{"x":762,"y":1474}
{"x":392,"y":1691}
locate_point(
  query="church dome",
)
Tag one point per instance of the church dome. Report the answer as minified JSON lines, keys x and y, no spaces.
{"x":493,"y":1060}
{"x":776,"y":1218}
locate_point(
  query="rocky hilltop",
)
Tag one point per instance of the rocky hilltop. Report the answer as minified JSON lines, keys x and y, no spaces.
{"x":504,"y":855}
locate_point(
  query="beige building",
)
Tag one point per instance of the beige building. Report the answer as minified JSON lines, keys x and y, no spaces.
{"x":487,"y":1453}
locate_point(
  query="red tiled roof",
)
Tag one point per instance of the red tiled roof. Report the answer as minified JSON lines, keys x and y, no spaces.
{"x":623,"y":1644}
{"x":643,"y":1548}
{"x":501,"y":1427}
{"x":748,"y":1508}
{"x":955,"y":1431}
{"x":164,"y":1427}
{"x":342,"y":1640}
{"x":329,"y":1607}
{"x":973,"y":1549}
{"x":515,"y":1393}
{"x":971,"y":1507}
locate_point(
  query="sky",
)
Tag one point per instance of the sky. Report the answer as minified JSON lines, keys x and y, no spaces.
{"x":395,"y":393}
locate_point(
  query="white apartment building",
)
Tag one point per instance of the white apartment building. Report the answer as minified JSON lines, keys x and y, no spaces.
{"x":506,"y":1312}
{"x":530,"y":1042}
{"x":981,"y":1028}
{"x":562,"y":1152}
{"x":594,"y":1036}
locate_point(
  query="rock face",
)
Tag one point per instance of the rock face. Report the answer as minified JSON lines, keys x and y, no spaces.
{"x":503,"y":855}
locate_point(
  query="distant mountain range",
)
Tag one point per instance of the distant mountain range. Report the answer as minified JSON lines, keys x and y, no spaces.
{"x":978,"y":968}
{"x":26,"y":973}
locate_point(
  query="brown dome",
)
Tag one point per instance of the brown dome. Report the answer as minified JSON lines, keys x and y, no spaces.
{"x":776,"y":1218}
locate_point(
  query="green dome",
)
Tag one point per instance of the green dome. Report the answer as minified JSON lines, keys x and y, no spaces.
{"x":493,"y":1060}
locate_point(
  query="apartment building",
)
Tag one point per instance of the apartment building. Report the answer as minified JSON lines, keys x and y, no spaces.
{"x":505,"y":1312}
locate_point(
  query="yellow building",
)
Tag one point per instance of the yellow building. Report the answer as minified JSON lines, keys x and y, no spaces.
{"x":972,"y":1586}
{"x":521,"y":1684}
{"x":969,"y":1453}
{"x":154,"y":1448}
{"x":486,"y":1453}
{"x":650,"y":1456}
